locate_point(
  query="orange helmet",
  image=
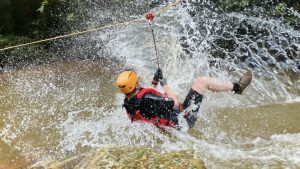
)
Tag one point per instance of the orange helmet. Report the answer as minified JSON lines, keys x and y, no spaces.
{"x":127,"y":81}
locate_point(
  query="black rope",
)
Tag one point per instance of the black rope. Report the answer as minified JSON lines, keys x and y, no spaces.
{"x":156,"y":53}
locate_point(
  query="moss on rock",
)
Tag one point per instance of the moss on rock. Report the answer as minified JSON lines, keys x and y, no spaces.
{"x":125,"y":157}
{"x":278,"y":9}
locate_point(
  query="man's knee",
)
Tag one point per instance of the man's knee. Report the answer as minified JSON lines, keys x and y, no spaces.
{"x":200,"y":84}
{"x":202,"y":80}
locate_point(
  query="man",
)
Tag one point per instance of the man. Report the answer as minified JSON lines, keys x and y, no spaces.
{"x":150,"y":106}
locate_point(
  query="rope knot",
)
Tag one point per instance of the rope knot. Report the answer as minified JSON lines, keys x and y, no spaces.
{"x":149,"y":16}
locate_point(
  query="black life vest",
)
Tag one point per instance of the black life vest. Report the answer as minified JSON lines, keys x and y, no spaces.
{"x":133,"y":108}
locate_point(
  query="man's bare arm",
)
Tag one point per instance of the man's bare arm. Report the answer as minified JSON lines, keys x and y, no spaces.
{"x":169,"y":92}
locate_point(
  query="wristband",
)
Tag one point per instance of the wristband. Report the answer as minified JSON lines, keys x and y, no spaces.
{"x":155,"y":82}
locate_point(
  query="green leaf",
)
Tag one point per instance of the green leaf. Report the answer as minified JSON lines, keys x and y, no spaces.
{"x":70,"y":17}
{"x":292,"y":20}
{"x":280,"y":9}
{"x":43,"y":5}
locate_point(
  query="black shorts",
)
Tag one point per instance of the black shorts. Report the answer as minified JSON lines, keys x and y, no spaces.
{"x":191,"y":106}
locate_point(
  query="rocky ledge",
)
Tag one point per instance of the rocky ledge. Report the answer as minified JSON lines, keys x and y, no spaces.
{"x":124,"y":157}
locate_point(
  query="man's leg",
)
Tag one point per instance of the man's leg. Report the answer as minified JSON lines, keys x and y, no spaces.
{"x":217,"y":85}
{"x":193,"y":99}
{"x":212,"y":84}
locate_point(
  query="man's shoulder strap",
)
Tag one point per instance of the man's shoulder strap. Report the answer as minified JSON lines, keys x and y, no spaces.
{"x":144,"y":91}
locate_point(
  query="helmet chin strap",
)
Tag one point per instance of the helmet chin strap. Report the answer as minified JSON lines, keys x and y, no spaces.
{"x":138,"y":85}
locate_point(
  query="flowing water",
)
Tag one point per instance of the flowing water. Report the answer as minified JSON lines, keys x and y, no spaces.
{"x":54,"y":111}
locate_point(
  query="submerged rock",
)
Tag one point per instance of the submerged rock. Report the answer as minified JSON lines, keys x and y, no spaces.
{"x":125,"y":157}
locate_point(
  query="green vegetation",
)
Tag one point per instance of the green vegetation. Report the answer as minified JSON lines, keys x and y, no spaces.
{"x":20,"y":17}
{"x":43,"y":5}
{"x":234,"y":5}
{"x":293,"y":20}
{"x":239,"y":5}
{"x":34,"y":19}
{"x":28,"y":20}
{"x":38,"y":19}
{"x":280,"y":8}
{"x":8,"y":40}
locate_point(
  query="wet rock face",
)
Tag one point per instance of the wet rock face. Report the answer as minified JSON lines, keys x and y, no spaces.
{"x":125,"y":157}
{"x":246,"y":41}
{"x":229,"y":44}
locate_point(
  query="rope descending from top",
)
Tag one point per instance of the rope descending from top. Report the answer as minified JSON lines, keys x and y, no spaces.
{"x":156,"y":53}
{"x":90,"y":30}
{"x":150,"y":17}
